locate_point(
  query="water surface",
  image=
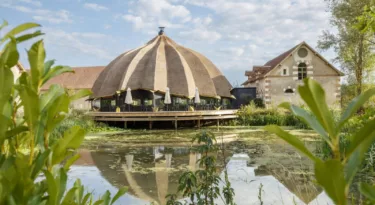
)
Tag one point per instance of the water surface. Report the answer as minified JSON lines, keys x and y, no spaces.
{"x":260,"y":167}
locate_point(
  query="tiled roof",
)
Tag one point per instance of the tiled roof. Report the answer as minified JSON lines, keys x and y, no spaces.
{"x":259,"y":72}
{"x":82,"y":78}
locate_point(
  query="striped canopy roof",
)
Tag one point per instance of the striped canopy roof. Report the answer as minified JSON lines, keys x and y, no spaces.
{"x":159,"y":64}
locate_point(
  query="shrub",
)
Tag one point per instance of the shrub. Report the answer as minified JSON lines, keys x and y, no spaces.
{"x":336,"y":173}
{"x":251,"y":115}
{"x":28,"y":117}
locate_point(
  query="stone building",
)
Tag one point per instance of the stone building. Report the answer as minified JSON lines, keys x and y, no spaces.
{"x":278,"y":79}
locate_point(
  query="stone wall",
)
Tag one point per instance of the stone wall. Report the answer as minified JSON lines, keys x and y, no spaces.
{"x":276,"y":83}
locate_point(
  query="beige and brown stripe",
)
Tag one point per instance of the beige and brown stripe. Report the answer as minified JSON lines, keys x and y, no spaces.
{"x":159,"y":64}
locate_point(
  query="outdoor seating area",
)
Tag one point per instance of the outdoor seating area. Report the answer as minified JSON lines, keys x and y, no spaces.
{"x":145,"y":101}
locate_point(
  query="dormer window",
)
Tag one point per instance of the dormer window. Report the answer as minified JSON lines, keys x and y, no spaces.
{"x":284,"y":71}
{"x":302,"y":71}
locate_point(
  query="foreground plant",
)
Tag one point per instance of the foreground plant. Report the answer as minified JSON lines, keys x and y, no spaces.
{"x":203,"y":185}
{"x":335,"y":175}
{"x":31,"y":167}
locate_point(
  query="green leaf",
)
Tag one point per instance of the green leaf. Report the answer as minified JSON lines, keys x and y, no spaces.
{"x":314,"y":96}
{"x":80,"y":94}
{"x":330,"y":175}
{"x":79,"y":191}
{"x":30,"y":102}
{"x":70,"y":161}
{"x":39,"y":162}
{"x":72,"y":139}
{"x":9,"y":58}
{"x":18,"y":29}
{"x":359,"y":145}
{"x":52,"y":187}
{"x":4,"y":24}
{"x":15,"y":131}
{"x":309,"y":119}
{"x":48,"y":98}
{"x":62,"y":184}
{"x":99,"y":202}
{"x":36,"y":56}
{"x":55,"y":71}
{"x":6,"y":84}
{"x":47,"y":66}
{"x":120,"y":192}
{"x":106,"y":198}
{"x":291,"y":139}
{"x":355,"y":104}
{"x":28,"y":36}
{"x":87,"y":197}
{"x":368,"y":191}
{"x":69,"y":197}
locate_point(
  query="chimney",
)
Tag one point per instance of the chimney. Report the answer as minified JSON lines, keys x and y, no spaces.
{"x":161,"y":31}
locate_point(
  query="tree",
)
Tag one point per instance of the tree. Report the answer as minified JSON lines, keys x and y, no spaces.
{"x":354,"y":48}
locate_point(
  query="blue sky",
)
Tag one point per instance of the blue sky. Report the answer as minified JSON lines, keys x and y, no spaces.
{"x":234,"y":34}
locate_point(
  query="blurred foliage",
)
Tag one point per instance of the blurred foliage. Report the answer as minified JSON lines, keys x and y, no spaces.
{"x":336,"y":173}
{"x":27,"y":119}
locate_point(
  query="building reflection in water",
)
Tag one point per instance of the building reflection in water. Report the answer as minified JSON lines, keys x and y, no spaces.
{"x":151,"y":173}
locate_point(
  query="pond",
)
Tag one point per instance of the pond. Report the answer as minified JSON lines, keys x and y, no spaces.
{"x":260,"y":167}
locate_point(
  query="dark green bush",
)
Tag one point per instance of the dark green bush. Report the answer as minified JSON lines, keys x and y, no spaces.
{"x":79,"y":118}
{"x":251,"y":115}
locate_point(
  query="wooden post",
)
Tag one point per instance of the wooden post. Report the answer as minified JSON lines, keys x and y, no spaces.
{"x":125,"y":124}
{"x":217,"y":124}
{"x":150,"y":124}
{"x":175,"y":124}
{"x":199,"y":123}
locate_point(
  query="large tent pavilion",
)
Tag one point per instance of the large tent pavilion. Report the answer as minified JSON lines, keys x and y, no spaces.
{"x":161,"y":81}
{"x":151,"y":70}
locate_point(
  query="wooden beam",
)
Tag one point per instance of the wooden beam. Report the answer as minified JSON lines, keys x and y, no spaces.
{"x":163,"y":113}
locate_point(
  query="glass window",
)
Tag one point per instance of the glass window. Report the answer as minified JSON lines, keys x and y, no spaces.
{"x":302,"y":71}
{"x":284,"y":71}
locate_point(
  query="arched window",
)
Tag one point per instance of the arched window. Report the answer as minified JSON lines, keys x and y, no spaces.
{"x":289,"y":90}
{"x":302,"y":71}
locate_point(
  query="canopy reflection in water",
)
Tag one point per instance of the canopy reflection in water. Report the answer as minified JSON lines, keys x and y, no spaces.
{"x":153,"y":172}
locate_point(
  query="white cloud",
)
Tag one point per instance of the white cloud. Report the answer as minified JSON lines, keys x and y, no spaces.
{"x":55,"y":17}
{"x":233,"y":51}
{"x":201,"y":35}
{"x":267,"y":27}
{"x":95,"y":7}
{"x":146,"y":15}
{"x":91,"y":35}
{"x":32,"y":2}
{"x":107,"y":26}
{"x":76,"y":42}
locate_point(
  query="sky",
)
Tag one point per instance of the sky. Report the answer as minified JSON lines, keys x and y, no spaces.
{"x":233,"y":34}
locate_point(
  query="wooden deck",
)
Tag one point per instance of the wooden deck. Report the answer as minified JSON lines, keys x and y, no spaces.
{"x":173,"y":116}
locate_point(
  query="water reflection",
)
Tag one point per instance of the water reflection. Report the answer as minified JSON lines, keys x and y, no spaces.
{"x":151,"y":173}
